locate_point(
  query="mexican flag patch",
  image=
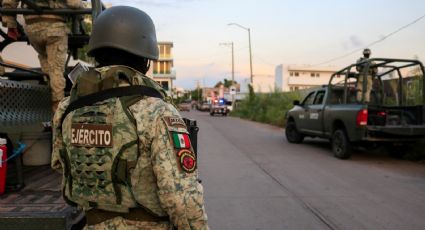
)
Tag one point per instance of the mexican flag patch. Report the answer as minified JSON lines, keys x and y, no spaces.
{"x":181,"y":140}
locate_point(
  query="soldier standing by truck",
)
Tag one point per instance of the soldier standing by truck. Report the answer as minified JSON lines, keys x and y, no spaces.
{"x":48,"y":34}
{"x":366,"y":73}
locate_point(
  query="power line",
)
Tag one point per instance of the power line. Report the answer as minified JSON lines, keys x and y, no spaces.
{"x":373,"y":43}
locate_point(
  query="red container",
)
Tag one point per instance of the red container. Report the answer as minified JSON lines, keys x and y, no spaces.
{"x":3,"y":165}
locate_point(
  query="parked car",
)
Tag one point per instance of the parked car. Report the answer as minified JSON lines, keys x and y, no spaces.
{"x":394,"y":116}
{"x":185,"y":105}
{"x":204,"y":106}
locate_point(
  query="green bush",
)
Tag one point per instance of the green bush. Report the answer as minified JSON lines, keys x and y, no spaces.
{"x":266,"y":108}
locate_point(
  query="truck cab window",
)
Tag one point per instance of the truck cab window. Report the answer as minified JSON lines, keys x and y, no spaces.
{"x":318,"y":100}
{"x":309,"y":99}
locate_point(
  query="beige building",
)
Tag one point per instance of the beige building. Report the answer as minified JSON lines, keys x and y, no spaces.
{"x":162,"y":70}
{"x":292,"y":77}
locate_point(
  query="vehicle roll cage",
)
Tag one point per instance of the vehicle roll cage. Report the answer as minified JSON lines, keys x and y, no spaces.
{"x":77,"y":39}
{"x":386,"y":63}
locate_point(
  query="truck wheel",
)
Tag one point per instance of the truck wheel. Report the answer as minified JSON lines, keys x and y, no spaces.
{"x":341,"y":146}
{"x":292,"y":134}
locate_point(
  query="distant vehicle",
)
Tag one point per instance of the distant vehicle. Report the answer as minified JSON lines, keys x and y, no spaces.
{"x":229,"y":105}
{"x":185,"y":106}
{"x":204,"y":106}
{"x":394,"y":117}
{"x":219,"y":107}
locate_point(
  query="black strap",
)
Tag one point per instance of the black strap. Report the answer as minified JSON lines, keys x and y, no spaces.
{"x":111,"y":93}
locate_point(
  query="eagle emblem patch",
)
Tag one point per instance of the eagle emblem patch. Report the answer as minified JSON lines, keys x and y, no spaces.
{"x":187,"y":160}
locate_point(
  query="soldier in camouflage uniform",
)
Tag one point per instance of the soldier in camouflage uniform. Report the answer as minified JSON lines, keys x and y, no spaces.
{"x":365,"y":73}
{"x":48,"y":34}
{"x":126,"y":158}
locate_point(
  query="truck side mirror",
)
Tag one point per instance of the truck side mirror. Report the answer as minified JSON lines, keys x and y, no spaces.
{"x":296,"y":102}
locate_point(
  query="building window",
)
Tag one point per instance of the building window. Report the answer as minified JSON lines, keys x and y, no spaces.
{"x":167,"y":52}
{"x":297,"y":74}
{"x":312,"y":74}
{"x":291,"y":74}
{"x":296,"y":87}
{"x":161,"y":50}
{"x":162,"y":67}
{"x":317,"y":74}
{"x":155,"y":67}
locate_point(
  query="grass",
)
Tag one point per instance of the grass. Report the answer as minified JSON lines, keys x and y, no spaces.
{"x":268,"y":108}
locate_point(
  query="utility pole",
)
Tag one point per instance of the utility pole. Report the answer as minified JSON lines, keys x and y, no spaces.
{"x":250,"y":57}
{"x":250,"y":49}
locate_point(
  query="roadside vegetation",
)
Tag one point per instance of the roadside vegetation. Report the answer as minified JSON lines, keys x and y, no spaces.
{"x":267,"y":108}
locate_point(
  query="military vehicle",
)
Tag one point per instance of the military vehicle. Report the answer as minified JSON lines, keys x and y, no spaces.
{"x":394,"y":117}
{"x":33,"y":198}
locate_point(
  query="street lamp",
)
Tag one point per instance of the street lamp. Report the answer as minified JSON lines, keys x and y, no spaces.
{"x":250,"y":52}
{"x":233,"y":65}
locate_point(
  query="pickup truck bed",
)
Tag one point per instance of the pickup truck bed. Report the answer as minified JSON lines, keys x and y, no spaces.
{"x":39,"y":205}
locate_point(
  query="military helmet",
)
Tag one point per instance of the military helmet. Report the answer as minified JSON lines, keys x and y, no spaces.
{"x":124,"y":28}
{"x":367,"y":52}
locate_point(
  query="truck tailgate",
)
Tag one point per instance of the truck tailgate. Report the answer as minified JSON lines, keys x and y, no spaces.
{"x":39,"y":205}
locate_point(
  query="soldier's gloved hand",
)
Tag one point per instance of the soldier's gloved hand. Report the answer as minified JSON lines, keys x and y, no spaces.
{"x":13,"y":33}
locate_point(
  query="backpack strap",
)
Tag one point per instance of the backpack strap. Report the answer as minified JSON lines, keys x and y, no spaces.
{"x":110,"y":93}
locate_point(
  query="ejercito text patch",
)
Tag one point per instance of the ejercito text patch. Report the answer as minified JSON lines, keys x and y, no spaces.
{"x":91,"y":135}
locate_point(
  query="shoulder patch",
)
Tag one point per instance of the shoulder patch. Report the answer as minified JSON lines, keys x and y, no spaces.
{"x":181,"y":140}
{"x":186,"y":160}
{"x":175,"y":122}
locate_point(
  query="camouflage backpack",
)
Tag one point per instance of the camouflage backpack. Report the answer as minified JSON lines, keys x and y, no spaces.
{"x":100,"y":138}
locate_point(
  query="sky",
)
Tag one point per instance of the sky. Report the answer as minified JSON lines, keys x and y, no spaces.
{"x":289,"y":32}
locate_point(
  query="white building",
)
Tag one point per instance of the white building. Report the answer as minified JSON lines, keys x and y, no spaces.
{"x":292,"y":77}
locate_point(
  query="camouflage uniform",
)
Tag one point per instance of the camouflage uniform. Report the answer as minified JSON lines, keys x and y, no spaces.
{"x":369,"y":78}
{"x":2,"y":70}
{"x":48,"y":35}
{"x":158,"y":178}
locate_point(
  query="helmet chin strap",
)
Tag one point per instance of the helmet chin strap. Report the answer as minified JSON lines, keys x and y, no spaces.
{"x":148,"y":65}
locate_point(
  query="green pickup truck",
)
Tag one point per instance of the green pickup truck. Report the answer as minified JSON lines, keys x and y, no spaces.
{"x":390,"y":112}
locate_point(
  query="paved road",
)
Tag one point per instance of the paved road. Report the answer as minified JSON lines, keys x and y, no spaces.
{"x":254,"y":179}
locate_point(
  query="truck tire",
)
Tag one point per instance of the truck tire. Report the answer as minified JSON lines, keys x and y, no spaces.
{"x":341,"y":146}
{"x":292,"y":134}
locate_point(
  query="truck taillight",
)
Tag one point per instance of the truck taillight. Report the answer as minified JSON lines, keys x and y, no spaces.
{"x":362,"y":117}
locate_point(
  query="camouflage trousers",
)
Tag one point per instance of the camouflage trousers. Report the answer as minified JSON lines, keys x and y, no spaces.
{"x":119,"y":223}
{"x":50,"y":40}
{"x":367,"y":90}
